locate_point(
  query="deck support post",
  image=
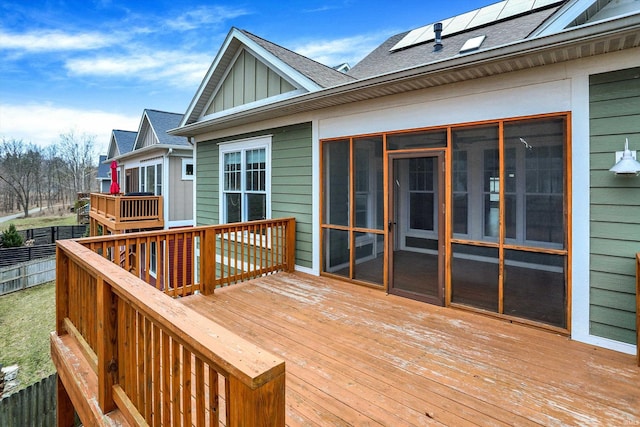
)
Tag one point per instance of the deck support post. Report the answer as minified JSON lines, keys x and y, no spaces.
{"x":263,"y":406}
{"x":65,"y":413}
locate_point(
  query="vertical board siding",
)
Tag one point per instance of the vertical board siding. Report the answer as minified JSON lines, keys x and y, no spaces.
{"x":291,"y":183}
{"x":614,"y":109}
{"x":248,"y":80}
{"x":181,"y":191}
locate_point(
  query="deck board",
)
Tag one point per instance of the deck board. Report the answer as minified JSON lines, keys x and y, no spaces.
{"x":356,"y":356}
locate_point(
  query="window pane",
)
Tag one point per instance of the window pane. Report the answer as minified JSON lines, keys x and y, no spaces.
{"x":256,"y":206}
{"x":474,"y":276}
{"x":421,"y":214}
{"x":158,"y":179}
{"x":535,"y":178}
{"x":233,"y":207}
{"x":534,"y":287}
{"x":336,"y":252}
{"x":404,"y":141}
{"x":151,"y":181}
{"x":369,"y":257}
{"x":256,"y":170}
{"x":232,"y":177}
{"x":476,"y":182}
{"x":368,"y":177}
{"x":336,"y":182}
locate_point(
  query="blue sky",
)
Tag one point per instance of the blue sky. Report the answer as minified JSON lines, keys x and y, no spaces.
{"x":90,"y":66}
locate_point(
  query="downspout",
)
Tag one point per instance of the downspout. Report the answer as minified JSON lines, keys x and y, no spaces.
{"x":195,"y":178}
{"x":165,"y":186}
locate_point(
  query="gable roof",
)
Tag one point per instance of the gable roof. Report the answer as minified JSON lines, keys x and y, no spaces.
{"x":159,"y":123}
{"x":103,"y":168}
{"x":303,"y":73}
{"x":121,"y":142}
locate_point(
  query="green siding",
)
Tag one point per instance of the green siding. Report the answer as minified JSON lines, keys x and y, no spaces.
{"x":248,"y":80}
{"x":614,"y":108}
{"x":291,"y":182}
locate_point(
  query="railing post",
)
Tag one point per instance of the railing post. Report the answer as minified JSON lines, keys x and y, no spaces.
{"x":291,"y":245}
{"x":107,"y":350}
{"x":208,"y":261}
{"x":263,"y":406}
{"x":62,"y":290}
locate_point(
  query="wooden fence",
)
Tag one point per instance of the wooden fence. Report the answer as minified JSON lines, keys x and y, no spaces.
{"x":32,"y":406}
{"x":27,"y":275}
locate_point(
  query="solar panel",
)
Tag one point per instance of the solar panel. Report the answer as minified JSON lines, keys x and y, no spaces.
{"x":475,"y":18}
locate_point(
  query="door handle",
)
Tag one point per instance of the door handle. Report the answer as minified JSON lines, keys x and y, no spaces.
{"x":390,"y":226}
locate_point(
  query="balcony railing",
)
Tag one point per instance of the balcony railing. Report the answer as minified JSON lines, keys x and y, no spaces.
{"x":121,"y":212}
{"x":122,"y":347}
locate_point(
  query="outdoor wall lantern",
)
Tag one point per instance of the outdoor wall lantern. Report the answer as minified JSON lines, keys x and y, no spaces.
{"x":626,"y":165}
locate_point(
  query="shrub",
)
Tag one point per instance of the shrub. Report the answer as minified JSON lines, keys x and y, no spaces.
{"x":11,"y":238}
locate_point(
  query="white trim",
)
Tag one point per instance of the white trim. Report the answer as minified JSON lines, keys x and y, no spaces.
{"x":606,"y":343}
{"x":563,"y":17}
{"x":194,"y":213}
{"x":243,"y":145}
{"x":580,"y":234}
{"x":316,"y":244}
{"x":306,"y":270}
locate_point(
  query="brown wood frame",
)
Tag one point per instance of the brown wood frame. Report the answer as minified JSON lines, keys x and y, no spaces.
{"x":439,"y":155}
{"x":448,"y":218}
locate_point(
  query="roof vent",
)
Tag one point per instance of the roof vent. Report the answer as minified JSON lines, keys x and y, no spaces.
{"x":437,"y":29}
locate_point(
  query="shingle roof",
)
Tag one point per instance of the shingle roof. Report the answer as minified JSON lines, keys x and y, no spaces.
{"x":125,"y":140}
{"x":319,"y":73}
{"x":161,"y":122}
{"x":383,"y":61}
{"x":103,"y":168}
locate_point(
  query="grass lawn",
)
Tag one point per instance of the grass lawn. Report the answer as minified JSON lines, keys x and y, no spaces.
{"x":38,"y":220}
{"x":26,"y":320}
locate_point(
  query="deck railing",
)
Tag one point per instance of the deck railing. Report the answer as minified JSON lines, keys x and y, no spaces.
{"x":150,"y":358}
{"x":182,"y":261}
{"x":120,"y":212}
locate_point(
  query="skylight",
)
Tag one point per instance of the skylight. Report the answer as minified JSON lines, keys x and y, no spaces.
{"x":472,"y":44}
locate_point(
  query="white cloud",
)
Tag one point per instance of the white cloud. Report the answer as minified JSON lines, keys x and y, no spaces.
{"x":204,"y":15}
{"x":51,"y":41}
{"x":177,"y":69}
{"x":337,"y":51}
{"x":42,"y":124}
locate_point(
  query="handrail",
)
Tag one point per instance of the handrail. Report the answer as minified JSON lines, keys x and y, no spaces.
{"x":148,"y":348}
{"x":182,"y":261}
{"x":117,"y":211}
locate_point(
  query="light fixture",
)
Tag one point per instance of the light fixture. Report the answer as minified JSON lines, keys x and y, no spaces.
{"x":626,"y":165}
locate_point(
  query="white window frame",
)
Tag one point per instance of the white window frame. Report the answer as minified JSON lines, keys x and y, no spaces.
{"x":185,"y":163}
{"x":243,"y":146}
{"x":142,"y":178}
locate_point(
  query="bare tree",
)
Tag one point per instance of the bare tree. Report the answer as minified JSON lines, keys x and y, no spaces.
{"x":77,"y":153}
{"x":20,"y":164}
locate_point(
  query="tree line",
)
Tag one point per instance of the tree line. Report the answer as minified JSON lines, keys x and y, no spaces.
{"x":35,"y":176}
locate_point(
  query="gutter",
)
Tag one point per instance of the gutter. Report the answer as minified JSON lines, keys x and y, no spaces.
{"x":362,"y":89}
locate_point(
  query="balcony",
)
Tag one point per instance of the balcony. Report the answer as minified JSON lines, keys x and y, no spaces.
{"x":121,"y":213}
{"x":192,"y":345}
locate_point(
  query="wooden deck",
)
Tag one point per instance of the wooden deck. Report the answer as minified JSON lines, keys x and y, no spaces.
{"x":355,"y":356}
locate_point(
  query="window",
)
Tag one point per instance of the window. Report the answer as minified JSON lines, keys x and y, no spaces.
{"x":151,"y":179}
{"x":187,"y":169}
{"x":245,"y":176}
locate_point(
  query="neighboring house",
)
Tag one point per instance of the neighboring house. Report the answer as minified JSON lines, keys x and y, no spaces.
{"x":104,"y":175}
{"x":468,"y":169}
{"x":157,"y":164}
